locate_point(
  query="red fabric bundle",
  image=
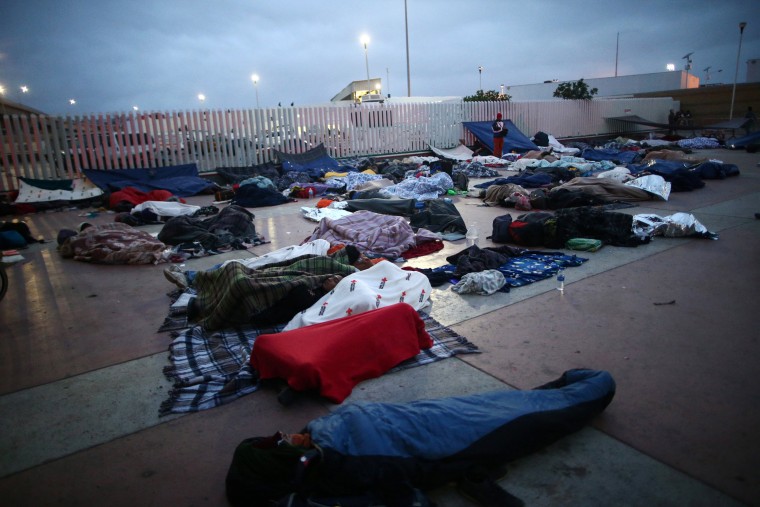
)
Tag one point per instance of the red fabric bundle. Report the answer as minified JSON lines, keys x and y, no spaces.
{"x":421,"y":249}
{"x":336,"y":355}
{"x":135,"y":196}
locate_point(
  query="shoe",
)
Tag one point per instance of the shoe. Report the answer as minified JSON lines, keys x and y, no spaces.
{"x":486,"y":492}
{"x":176,"y":276}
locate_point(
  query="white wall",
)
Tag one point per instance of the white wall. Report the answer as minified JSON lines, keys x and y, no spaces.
{"x":611,"y":86}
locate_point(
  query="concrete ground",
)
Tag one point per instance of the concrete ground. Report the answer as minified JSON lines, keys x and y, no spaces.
{"x":81,"y":368}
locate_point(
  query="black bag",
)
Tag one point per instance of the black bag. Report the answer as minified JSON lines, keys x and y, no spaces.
{"x":461,"y":181}
{"x":500,"y":232}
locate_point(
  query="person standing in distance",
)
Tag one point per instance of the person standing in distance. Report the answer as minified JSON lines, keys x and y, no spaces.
{"x":499,"y":133}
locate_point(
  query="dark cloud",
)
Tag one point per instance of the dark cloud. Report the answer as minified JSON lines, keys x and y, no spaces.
{"x":111,"y":55}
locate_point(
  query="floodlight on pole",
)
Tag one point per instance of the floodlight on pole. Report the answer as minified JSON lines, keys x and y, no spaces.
{"x":364,"y":39}
{"x":408,"y":76}
{"x":255,"y":79}
{"x":480,"y":77}
{"x":736,"y":74}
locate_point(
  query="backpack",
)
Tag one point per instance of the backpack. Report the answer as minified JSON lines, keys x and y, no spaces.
{"x":461,"y":181}
{"x":500,"y":231}
{"x":442,"y":165}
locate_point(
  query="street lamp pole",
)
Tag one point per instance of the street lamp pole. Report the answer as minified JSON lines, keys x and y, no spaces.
{"x":408,"y":76}
{"x":480,"y":77}
{"x":365,"y":41}
{"x":255,"y":79}
{"x":736,"y":74}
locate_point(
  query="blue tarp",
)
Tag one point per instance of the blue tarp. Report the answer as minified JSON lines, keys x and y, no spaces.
{"x":315,"y":162}
{"x":180,"y":180}
{"x":617,"y":156}
{"x":515,"y":140}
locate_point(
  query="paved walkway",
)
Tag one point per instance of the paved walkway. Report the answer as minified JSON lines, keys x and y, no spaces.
{"x":82,"y":368}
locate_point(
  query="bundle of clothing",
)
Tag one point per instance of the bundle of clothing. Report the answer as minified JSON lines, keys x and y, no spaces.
{"x":231,"y":228}
{"x":373,"y":233}
{"x":114,"y":243}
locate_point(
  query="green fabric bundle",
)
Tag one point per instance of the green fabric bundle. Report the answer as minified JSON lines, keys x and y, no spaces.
{"x":584,"y":244}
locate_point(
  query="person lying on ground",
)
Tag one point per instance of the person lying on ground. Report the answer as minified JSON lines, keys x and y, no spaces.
{"x":185,"y":278}
{"x":298,"y":299}
{"x":232,"y":294}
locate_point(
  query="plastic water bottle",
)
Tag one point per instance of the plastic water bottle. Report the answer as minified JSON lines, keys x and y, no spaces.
{"x":561,"y":280}
{"x":472,"y":235}
{"x":311,"y":193}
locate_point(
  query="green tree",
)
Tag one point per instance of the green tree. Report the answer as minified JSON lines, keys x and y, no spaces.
{"x":575,"y":91}
{"x":488,"y":96}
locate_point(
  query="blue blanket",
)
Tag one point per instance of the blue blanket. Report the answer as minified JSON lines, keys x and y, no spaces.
{"x":180,"y":180}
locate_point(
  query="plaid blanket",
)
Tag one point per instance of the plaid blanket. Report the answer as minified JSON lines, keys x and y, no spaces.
{"x":211,"y":369}
{"x":231,"y":294}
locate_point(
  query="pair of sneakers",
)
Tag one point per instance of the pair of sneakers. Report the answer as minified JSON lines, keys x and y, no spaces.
{"x":176,"y":276}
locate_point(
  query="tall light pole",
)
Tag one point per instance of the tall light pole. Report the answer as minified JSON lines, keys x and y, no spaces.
{"x":480,"y":77}
{"x":365,"y":40}
{"x":408,"y":76}
{"x":202,"y":98}
{"x":255,"y":79}
{"x":736,"y":74}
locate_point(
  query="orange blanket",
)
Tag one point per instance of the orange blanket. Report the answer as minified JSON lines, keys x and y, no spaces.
{"x":333,"y":356}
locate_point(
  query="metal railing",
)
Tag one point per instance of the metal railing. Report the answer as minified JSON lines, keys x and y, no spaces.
{"x":56,"y":148}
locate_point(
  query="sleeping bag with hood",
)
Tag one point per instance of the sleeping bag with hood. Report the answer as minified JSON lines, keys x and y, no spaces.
{"x":388,"y":450}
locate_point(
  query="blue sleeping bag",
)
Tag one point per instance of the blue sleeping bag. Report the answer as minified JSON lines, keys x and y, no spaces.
{"x":383,"y":448}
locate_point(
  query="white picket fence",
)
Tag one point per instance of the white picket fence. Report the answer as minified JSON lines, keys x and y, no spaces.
{"x":55,"y":148}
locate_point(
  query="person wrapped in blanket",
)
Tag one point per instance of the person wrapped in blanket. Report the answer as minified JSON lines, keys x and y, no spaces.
{"x":353,"y":457}
{"x":236,"y":294}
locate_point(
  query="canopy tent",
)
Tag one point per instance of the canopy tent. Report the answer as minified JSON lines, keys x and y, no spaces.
{"x":180,"y":180}
{"x":515,"y":140}
{"x":460,"y":152}
{"x":638,"y":120}
{"x":736,"y":123}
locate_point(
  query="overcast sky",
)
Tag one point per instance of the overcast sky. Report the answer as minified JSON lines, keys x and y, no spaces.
{"x":110,"y":55}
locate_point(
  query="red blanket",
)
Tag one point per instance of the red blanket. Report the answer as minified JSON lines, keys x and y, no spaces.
{"x":336,"y":355}
{"x":134,"y":196}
